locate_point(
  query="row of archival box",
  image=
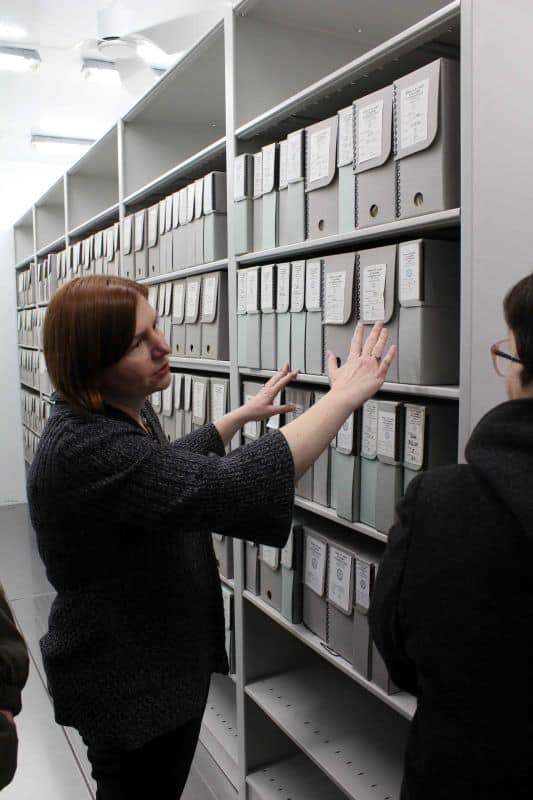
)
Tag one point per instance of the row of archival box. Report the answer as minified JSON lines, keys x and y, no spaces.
{"x":35,"y":411}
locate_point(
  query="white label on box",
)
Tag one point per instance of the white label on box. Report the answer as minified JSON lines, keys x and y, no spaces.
{"x":294,"y":156}
{"x":252,"y":288}
{"x":239,"y":178}
{"x":251,"y":429}
{"x":193,"y":289}
{"x":334,"y":303}
{"x":345,"y":435}
{"x":409,"y":271}
{"x":270,"y":556}
{"x":178,"y":300}
{"x":415,"y":426}
{"x":269,"y":168}
{"x":319,"y":154}
{"x":345,"y":152}
{"x":283,"y":164}
{"x":340,"y":579}
{"x":178,"y":380}
{"x":273,"y":422}
{"x":241,"y":291}
{"x":315,"y":565}
{"x":284,"y":286}
{"x":363,"y":580}
{"x":153,"y":292}
{"x":267,"y":288}
{"x":373,"y":299}
{"x":287,"y":553}
{"x":198,"y":399}
{"x":198,"y":198}
{"x":218,"y":401}
{"x":414,"y":102}
{"x":209,"y":296}
{"x":208,"y":193}
{"x":387,"y":433}
{"x":369,"y":446}
{"x":298,"y":286}
{"x":369,"y":131}
{"x":258,"y":174}
{"x":313,"y":286}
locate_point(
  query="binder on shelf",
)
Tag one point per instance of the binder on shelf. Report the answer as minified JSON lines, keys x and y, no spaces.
{"x":302,"y":399}
{"x":223,"y":548}
{"x":190,"y":239}
{"x":253,"y":318}
{"x":315,"y":612}
{"x":374,"y":167}
{"x":86,"y":254}
{"x":284,"y":232}
{"x":156,"y":402}
{"x":340,"y":599}
{"x":193,"y":326}
{"x":347,"y":469}
{"x":378,"y":301}
{"x":253,"y":429}
{"x":390,"y":463}
{"x":339,"y":306}
{"x":430,"y":437}
{"x":219,"y":398}
{"x":369,"y":463}
{"x":322,"y":471}
{"x":152,"y":242}
{"x":178,"y":405}
{"x":283,"y":316}
{"x":98,"y":245}
{"x":362,"y":640}
{"x":165,"y":262}
{"x":128,"y":256}
{"x":258,"y":202}
{"x":251,"y":577}
{"x":241,"y":318}
{"x":167,"y":412}
{"x":269,"y":188}
{"x":270,"y":575}
{"x":296,"y":196}
{"x":176,"y":233}
{"x":268,"y":318}
{"x":179,"y":238}
{"x":200,"y":401}
{"x":314,"y":331}
{"x":162,"y":225}
{"x":178,"y":318}
{"x":298,"y":316}
{"x":76,"y":257}
{"x":166,"y":317}
{"x":321,"y":176}
{"x":215,"y":217}
{"x":426,"y":139}
{"x":346,"y":195}
{"x":214,"y":316}
{"x":243,"y":189}
{"x":139,"y":245}
{"x":111,"y":249}
{"x":429,"y":321}
{"x":198,"y":223}
{"x":187,"y":404}
{"x":291,"y":576}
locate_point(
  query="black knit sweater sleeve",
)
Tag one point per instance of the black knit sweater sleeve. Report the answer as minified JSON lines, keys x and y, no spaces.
{"x":118,"y":475}
{"x":14,"y":660}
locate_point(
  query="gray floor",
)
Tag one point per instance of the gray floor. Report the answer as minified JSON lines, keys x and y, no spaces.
{"x":52,"y":760}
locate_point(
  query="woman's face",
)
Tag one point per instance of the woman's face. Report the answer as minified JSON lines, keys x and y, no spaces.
{"x":145,"y":367}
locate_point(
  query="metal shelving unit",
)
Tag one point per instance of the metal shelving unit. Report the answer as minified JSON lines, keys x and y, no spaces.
{"x":213,"y":266}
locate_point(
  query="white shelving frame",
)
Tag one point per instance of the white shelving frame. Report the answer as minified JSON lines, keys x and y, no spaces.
{"x":265,"y":59}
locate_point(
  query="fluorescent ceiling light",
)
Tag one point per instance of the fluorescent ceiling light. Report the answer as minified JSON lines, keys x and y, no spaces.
{"x":19,"y":59}
{"x":9,"y":32}
{"x":60,"y":145}
{"x":102,"y":73}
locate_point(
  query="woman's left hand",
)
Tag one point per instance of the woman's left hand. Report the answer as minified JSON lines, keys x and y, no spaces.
{"x":261,"y":406}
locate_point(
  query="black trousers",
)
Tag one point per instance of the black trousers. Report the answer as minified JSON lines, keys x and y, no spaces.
{"x":158,"y":769}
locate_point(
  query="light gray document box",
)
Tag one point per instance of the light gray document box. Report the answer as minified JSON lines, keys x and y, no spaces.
{"x":291,"y":576}
{"x":283,"y":316}
{"x":362,"y":639}
{"x":139,"y":245}
{"x":165,"y":262}
{"x":98,"y":241}
{"x":153,"y":241}
{"x":258,"y":202}
{"x":200,"y":401}
{"x":178,"y":404}
{"x":315,"y":563}
{"x":429,"y":295}
{"x":215,"y":217}
{"x":347,"y":469}
{"x":223,"y":547}
{"x":314,"y":331}
{"x":250,"y":330}
{"x":214,"y":316}
{"x":268,"y":318}
{"x":178,"y":318}
{"x":179,"y":232}
{"x":198,"y":222}
{"x":241,"y":317}
{"x":430,"y":437}
{"x":322,"y":471}
{"x":296,"y":194}
{"x":252,"y":430}
{"x":378,"y":299}
{"x":339,"y":306}
{"x":243,"y":183}
{"x":112,"y":249}
{"x":167,"y":412}
{"x":298,"y":316}
{"x":128,"y":257}
{"x":193,"y":326}
{"x":389,"y":478}
{"x":321,"y":177}
{"x":187,"y":404}
{"x":251,"y":577}
{"x":302,"y":399}
{"x":284,"y":234}
{"x":427,"y":139}
{"x":189,"y":228}
{"x":346,"y":172}
{"x":270,"y":575}
{"x":369,"y":462}
{"x":341,"y":599}
{"x":270,"y":204}
{"x":374,"y":167}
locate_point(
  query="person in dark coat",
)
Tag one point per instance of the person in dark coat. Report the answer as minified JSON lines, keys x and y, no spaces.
{"x":14,"y":664}
{"x":124,"y":519}
{"x":452,"y":607}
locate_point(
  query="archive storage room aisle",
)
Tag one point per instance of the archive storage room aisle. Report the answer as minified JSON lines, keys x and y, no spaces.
{"x":304,"y":166}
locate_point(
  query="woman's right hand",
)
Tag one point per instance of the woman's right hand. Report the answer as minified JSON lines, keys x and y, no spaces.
{"x":365,"y":369}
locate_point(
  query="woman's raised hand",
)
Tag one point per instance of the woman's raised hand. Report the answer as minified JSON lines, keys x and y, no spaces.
{"x":261,"y":406}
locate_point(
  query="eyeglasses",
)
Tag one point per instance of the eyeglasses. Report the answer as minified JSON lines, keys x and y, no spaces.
{"x":501,"y":359}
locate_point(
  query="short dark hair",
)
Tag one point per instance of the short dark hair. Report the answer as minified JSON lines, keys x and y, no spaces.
{"x":518,"y":311}
{"x":89,"y":325}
